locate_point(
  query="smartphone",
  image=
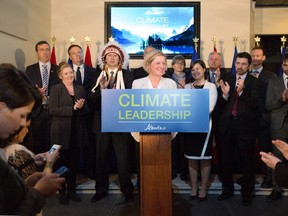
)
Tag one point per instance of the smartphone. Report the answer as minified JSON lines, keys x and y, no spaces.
{"x":62,"y":171}
{"x":54,"y":147}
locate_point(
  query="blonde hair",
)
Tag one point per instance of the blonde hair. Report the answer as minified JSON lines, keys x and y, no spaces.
{"x":149,"y":57}
{"x":62,"y":66}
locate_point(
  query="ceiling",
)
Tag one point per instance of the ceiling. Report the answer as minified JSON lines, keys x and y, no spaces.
{"x":271,"y":3}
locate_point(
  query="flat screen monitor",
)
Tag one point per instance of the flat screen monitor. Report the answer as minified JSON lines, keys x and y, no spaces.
{"x":167,"y":26}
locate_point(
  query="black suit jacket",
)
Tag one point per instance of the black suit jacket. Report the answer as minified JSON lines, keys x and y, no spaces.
{"x":34,"y":74}
{"x":247,"y":107}
{"x":90,"y":77}
{"x":139,"y":73}
{"x":61,"y":109}
{"x":95,"y":98}
{"x":264,"y":78}
{"x":281,"y":174}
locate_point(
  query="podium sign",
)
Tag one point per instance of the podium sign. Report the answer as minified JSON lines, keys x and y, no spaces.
{"x":155,"y":111}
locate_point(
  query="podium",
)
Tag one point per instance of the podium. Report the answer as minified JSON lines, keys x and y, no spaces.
{"x":155,"y":175}
{"x":155,"y":114}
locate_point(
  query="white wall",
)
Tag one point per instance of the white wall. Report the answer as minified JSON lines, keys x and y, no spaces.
{"x":21,"y":52}
{"x":66,"y":18}
{"x":222,"y":19}
{"x":271,"y":21}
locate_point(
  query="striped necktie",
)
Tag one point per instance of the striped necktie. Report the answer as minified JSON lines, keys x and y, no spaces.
{"x":45,"y":77}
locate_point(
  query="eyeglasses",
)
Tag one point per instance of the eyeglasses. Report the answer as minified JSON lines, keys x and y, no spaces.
{"x":179,"y":63}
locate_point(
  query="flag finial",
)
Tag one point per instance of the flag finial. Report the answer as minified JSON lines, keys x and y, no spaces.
{"x":214,"y":40}
{"x":196,"y":40}
{"x":53,"y":40}
{"x":283,"y":40}
{"x":87,"y":39}
{"x":235,"y":40}
{"x":257,"y":40}
{"x":111,"y":39}
{"x":72,"y":40}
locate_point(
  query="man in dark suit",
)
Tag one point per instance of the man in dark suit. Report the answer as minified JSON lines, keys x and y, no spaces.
{"x":277,"y":104}
{"x":43,"y":75}
{"x":85,"y":76}
{"x":263,"y":136}
{"x":215,"y":71}
{"x":214,"y":74}
{"x":238,"y":99}
{"x":112,"y":59}
{"x":140,"y":72}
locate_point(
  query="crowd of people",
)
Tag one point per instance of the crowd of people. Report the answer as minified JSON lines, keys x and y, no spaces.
{"x":63,"y":104}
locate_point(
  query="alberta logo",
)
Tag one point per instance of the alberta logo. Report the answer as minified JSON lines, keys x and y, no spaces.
{"x":150,"y":127}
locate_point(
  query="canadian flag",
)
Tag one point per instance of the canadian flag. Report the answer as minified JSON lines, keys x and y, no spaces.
{"x":53,"y":57}
{"x":87,"y":60}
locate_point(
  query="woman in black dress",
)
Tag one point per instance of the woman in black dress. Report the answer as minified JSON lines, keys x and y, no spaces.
{"x":199,"y":145}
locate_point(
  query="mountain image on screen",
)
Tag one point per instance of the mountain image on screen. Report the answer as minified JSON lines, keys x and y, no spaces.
{"x":178,"y":43}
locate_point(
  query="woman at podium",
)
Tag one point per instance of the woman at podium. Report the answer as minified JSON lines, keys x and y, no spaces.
{"x":155,"y":64}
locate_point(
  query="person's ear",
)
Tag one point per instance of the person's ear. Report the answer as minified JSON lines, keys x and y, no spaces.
{"x":2,"y":106}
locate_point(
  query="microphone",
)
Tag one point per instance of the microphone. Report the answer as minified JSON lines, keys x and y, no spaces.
{"x":169,"y":76}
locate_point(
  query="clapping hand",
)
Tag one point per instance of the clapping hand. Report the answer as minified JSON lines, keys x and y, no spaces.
{"x":79,"y":104}
{"x":269,"y":159}
{"x":282,"y":146}
{"x":225,"y":88}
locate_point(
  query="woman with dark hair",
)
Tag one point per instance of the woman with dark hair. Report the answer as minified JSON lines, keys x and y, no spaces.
{"x":17,"y":98}
{"x":199,"y":145}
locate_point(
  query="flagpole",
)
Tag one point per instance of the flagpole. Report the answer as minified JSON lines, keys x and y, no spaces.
{"x":98,"y":43}
{"x":283,"y":52}
{"x":194,"y":56}
{"x":233,"y":69}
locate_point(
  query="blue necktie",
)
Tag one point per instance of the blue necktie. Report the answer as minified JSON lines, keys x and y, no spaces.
{"x":212,"y":79}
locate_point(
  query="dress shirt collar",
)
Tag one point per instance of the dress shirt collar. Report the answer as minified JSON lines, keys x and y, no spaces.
{"x":259,"y":70}
{"x":48,"y":65}
{"x":76,"y":66}
{"x":242,"y":76}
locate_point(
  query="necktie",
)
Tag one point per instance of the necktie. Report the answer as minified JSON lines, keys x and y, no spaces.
{"x":234,"y":108}
{"x":45,"y":81}
{"x":256,"y":73}
{"x":78,"y":76}
{"x":212,"y":79}
{"x":111,"y":81}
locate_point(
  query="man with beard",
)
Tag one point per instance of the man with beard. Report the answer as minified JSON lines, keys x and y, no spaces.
{"x":238,"y":98}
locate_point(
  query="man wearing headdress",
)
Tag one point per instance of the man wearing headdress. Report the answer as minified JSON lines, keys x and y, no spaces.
{"x":113,"y":60}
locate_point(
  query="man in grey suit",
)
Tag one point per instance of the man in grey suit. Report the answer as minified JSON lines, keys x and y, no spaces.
{"x":277,"y":104}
